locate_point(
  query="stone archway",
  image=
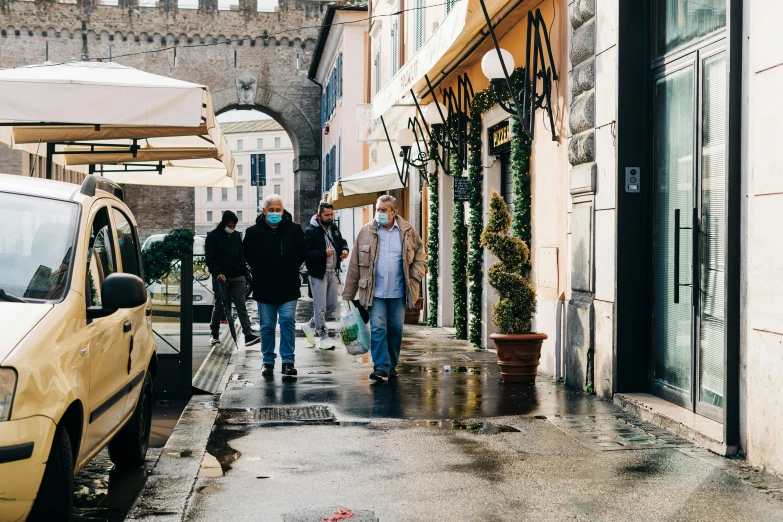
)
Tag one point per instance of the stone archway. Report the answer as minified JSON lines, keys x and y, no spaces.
{"x":291,"y":112}
{"x":248,"y":59}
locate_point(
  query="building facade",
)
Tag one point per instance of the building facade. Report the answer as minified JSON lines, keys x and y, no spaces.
{"x":264,"y":158}
{"x":338,"y":67}
{"x":651,"y":193}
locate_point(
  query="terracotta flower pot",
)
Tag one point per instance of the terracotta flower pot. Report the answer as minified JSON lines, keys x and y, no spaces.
{"x":412,"y":315}
{"x":518,"y":355}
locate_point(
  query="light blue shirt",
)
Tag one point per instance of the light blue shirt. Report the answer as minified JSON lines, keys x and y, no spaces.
{"x":389,"y":277}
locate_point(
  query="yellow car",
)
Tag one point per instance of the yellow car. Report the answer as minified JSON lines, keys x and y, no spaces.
{"x":77,"y":354}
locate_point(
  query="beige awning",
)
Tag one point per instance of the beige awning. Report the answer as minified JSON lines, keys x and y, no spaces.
{"x":101,"y":93}
{"x":363,"y":188}
{"x":178,"y":173}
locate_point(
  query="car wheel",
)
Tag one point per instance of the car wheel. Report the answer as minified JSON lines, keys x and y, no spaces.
{"x":128,"y":448}
{"x":55,"y":496}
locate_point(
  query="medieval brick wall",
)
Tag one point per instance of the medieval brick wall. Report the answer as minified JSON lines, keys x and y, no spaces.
{"x":270,"y":51}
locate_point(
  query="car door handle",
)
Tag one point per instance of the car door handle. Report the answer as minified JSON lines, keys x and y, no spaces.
{"x":126,"y":327}
{"x":149,"y":311}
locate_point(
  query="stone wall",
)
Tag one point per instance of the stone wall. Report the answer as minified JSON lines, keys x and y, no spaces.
{"x":593,"y":186}
{"x":248,"y":59}
{"x":10,"y":161}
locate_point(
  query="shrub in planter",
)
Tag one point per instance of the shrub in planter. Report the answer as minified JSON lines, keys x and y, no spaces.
{"x":518,"y":349}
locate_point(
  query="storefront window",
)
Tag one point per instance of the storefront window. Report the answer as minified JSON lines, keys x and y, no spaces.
{"x":678,"y":22}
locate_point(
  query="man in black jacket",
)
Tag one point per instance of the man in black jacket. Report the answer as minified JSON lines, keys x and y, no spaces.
{"x":275,"y":249}
{"x":226,"y":263}
{"x":326,"y":247}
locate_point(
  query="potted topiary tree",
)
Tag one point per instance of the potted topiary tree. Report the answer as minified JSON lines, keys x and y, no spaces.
{"x":518,"y":349}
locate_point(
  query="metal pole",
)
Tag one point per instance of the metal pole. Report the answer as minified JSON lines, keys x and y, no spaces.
{"x":49,"y":156}
{"x":186,"y":322}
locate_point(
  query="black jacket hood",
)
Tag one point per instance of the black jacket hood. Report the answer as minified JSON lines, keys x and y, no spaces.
{"x":261,"y":219}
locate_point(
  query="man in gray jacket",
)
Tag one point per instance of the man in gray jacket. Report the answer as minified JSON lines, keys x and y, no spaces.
{"x":385,"y":272}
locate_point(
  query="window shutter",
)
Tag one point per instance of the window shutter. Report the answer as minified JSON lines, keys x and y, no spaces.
{"x":449,"y":5}
{"x":419,"y":24}
{"x":395,"y":48}
{"x":377,"y":71}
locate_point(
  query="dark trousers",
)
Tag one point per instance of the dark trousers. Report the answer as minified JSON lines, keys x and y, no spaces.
{"x":236,"y":289}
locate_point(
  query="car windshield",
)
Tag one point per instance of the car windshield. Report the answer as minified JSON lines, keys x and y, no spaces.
{"x":36,"y":246}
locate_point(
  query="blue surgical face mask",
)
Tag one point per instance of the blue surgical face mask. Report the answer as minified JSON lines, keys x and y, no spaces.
{"x":229,"y":230}
{"x":274,"y":218}
{"x":383,"y":219}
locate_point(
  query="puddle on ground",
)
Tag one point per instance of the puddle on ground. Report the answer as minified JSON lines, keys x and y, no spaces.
{"x":320,"y":372}
{"x":207,"y":489}
{"x":210,"y":467}
{"x":479,"y":428}
{"x":218,"y":445}
{"x":475,"y":370}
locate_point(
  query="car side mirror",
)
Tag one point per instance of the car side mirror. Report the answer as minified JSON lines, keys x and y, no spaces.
{"x":119,"y":291}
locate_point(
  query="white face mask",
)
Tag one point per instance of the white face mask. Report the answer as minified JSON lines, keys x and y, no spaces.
{"x":229,"y":230}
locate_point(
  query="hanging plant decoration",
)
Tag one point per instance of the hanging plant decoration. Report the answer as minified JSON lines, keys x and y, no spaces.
{"x":459,"y":262}
{"x":476,"y":223}
{"x":162,"y":256}
{"x":520,"y":170}
{"x":433,"y":239}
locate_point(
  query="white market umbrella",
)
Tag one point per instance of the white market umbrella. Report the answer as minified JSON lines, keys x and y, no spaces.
{"x":100,"y":93}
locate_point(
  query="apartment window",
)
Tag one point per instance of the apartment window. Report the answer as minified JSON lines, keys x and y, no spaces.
{"x":277,"y":189}
{"x":224,"y":194}
{"x":240,"y":170}
{"x":260,"y":143}
{"x":278,"y":168}
{"x":395,"y":37}
{"x":239,"y":215}
{"x":209,"y":216}
{"x":340,"y":75}
{"x":240,"y":145}
{"x":419,"y":24}
{"x":209,"y":194}
{"x":450,"y":5}
{"x":240,"y":193}
{"x":277,"y":143}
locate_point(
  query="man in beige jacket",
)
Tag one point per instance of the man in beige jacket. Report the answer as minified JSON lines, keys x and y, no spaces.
{"x":386,"y":268}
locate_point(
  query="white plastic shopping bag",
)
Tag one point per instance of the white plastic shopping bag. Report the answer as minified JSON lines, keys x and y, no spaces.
{"x":354,"y":331}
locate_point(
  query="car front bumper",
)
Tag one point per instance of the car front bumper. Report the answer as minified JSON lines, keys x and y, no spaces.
{"x":24,"y":449}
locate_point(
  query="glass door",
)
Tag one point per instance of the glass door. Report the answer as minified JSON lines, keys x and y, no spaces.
{"x":689,"y":231}
{"x":674,"y":97}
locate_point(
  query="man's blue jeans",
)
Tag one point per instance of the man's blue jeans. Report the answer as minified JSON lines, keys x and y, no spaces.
{"x":268,"y":316}
{"x":386,"y":319}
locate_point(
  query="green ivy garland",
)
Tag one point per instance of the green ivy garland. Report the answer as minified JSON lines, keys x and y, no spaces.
{"x":433,"y":239}
{"x":468,"y":267}
{"x":161,"y":256}
{"x":459,"y":263}
{"x":520,"y":168}
{"x":476,"y":221}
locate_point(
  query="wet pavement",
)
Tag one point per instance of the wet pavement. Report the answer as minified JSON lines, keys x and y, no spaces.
{"x":445,"y":441}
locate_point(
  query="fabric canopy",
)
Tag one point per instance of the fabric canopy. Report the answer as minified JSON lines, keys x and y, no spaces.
{"x":95,"y":93}
{"x":363,"y":188}
{"x":178,"y":173}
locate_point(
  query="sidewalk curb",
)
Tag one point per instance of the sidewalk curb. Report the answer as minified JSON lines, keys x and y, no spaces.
{"x":169,"y":487}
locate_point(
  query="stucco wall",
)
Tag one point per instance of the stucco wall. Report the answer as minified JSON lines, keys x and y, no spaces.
{"x":761,"y":367}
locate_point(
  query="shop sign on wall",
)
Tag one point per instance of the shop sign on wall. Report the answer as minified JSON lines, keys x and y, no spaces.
{"x":499,"y":139}
{"x":461,"y":189}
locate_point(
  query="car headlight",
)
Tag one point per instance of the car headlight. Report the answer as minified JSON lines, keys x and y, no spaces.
{"x":7,"y":389}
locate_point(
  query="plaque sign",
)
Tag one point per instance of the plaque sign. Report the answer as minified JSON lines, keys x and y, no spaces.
{"x":461,"y":189}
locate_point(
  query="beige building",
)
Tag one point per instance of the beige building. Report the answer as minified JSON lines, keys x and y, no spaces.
{"x":652,"y":192}
{"x":260,"y":142}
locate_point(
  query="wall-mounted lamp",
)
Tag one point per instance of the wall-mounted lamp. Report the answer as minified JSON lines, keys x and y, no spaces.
{"x":497,"y":63}
{"x":405,"y":139}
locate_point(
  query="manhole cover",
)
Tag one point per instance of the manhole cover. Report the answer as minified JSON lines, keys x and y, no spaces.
{"x":618,"y":431}
{"x":279,"y":414}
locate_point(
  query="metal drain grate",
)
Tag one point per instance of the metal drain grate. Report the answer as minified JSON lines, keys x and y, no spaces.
{"x":618,"y":431}
{"x":306,"y":414}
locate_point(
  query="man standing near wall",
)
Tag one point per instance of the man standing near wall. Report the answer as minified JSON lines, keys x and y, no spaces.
{"x":226,"y":263}
{"x":275,"y":249}
{"x":325,"y":245}
{"x":386,"y":269}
